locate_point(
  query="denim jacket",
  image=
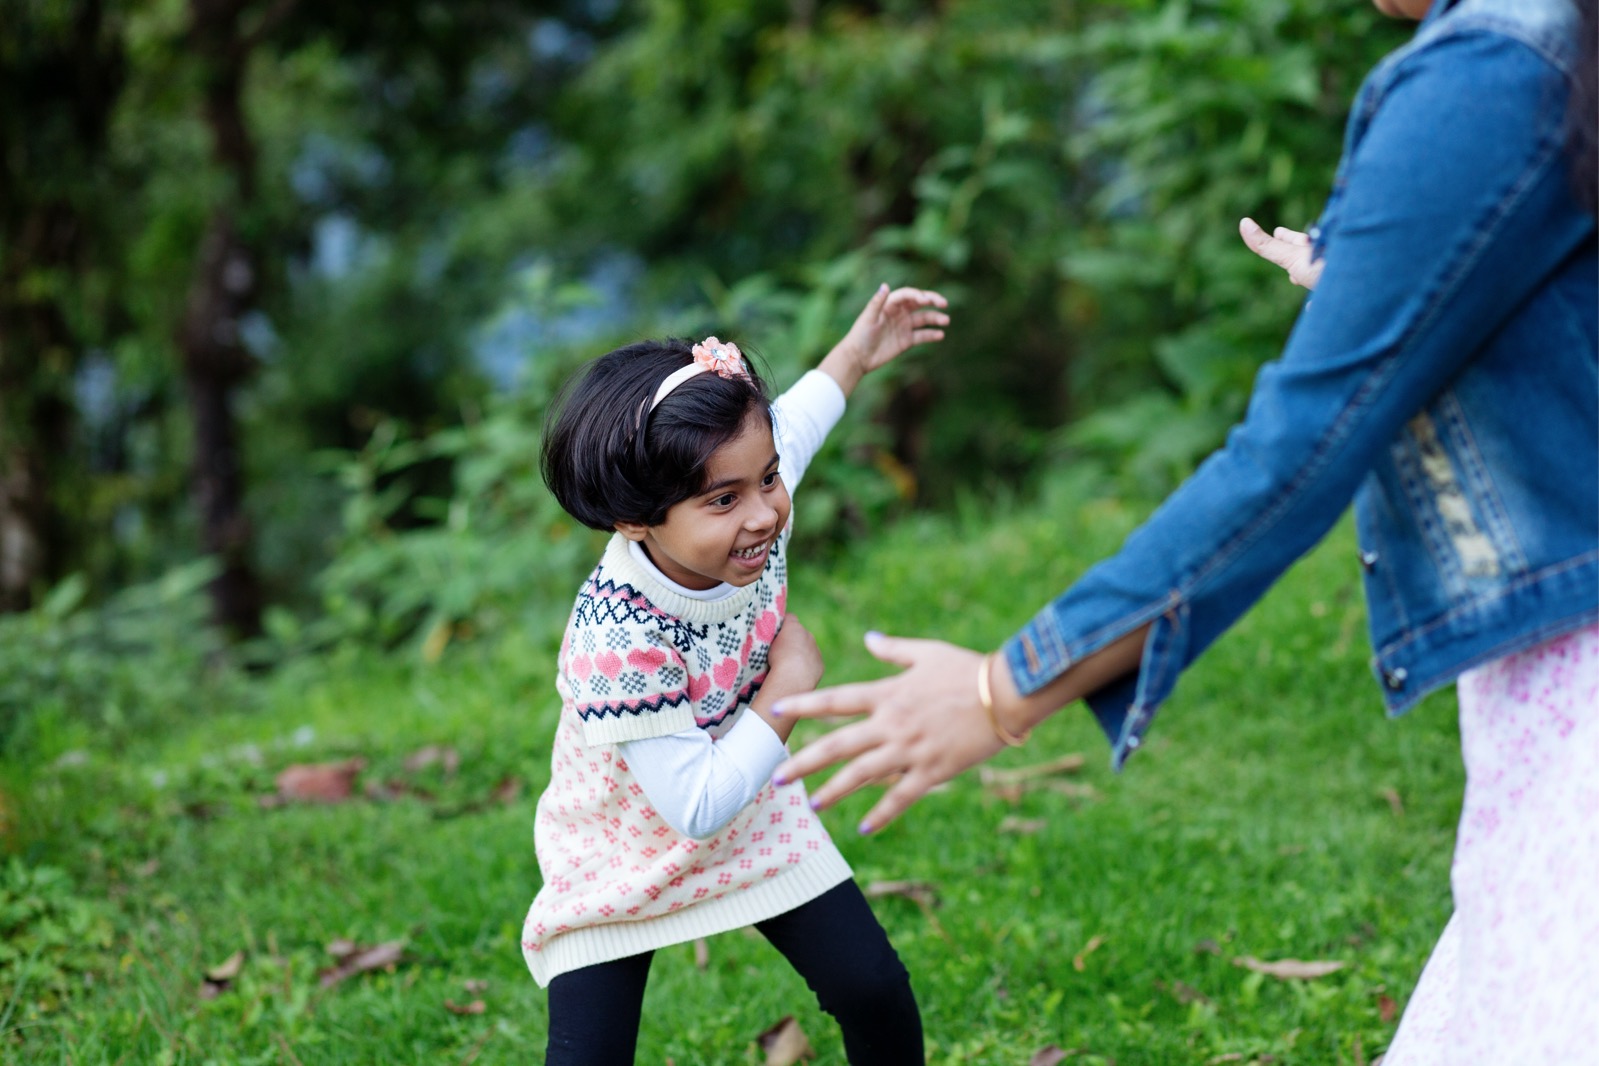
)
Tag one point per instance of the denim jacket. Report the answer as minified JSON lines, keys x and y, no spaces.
{"x":1443,"y":377}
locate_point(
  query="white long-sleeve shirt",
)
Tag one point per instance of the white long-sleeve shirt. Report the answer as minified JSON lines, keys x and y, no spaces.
{"x":697,"y":784}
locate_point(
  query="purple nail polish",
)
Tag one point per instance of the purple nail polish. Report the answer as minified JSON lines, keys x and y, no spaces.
{"x":864,"y":828}
{"x":816,"y":804}
{"x":779,"y":781}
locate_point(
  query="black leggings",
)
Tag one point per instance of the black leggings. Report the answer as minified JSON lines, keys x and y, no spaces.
{"x":834,"y":942}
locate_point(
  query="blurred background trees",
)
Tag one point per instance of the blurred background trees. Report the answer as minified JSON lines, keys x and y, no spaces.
{"x":285,"y":286}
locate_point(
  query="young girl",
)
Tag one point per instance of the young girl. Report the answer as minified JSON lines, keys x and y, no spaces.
{"x":660,"y":824}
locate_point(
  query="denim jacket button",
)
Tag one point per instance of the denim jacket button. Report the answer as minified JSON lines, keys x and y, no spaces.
{"x":1133,"y":741}
{"x":1395,"y":678}
{"x":1368,"y":560}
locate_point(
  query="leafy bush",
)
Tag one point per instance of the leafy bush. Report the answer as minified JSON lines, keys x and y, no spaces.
{"x":52,"y":941}
{"x":1198,"y":113}
{"x":145,"y":654}
{"x":498,"y":551}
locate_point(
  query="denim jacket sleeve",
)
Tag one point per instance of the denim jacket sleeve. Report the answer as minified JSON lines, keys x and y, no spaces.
{"x":1452,"y":204}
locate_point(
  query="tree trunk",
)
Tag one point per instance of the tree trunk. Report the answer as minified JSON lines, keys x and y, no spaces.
{"x":215,"y":364}
{"x":224,"y":289}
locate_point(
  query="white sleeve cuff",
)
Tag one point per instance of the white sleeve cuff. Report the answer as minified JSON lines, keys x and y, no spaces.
{"x":804,"y":415}
{"x":697,"y":785}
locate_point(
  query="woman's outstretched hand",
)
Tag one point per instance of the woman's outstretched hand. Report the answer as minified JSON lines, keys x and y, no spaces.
{"x":925,"y":724}
{"x":1288,"y":248}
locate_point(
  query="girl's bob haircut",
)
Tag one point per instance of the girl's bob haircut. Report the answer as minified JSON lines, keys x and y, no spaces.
{"x":608,"y":458}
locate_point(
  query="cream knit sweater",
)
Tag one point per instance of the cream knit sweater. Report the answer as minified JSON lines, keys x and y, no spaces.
{"x":640,"y":660}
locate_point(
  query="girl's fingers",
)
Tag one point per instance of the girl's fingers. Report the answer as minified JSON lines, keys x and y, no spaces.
{"x":1292,"y":236}
{"x":927,"y":336}
{"x":917,"y":297}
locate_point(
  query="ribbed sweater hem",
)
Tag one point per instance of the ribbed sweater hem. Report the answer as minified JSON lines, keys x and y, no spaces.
{"x":619,"y":940}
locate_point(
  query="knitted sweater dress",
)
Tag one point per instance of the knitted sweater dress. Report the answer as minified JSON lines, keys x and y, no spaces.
{"x":641,"y":660}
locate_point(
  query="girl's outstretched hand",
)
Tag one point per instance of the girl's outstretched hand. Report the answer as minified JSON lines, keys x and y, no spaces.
{"x":925,"y":724}
{"x":891,"y":322}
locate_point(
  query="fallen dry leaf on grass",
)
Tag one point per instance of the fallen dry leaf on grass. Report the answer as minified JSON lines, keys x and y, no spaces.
{"x":702,"y":955}
{"x":1078,"y":960}
{"x":219,"y":978}
{"x":433,"y":754}
{"x":227,"y":969}
{"x":1387,"y":1008}
{"x":475,"y":1007}
{"x":1050,"y":1055}
{"x":328,"y":782}
{"x":1290,"y":969}
{"x":921,"y":893}
{"x":391,"y":790}
{"x":1183,"y":992}
{"x":474,"y":986}
{"x":1016,"y":775}
{"x":1021,"y":826}
{"x":1395,"y":804}
{"x":1080,"y":790}
{"x":354,"y":959}
{"x":785,"y":1043}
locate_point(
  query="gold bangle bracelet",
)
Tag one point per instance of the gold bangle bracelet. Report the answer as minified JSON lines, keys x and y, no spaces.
{"x":985,"y":696}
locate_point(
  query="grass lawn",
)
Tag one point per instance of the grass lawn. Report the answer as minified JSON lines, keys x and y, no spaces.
{"x":1273,"y":813}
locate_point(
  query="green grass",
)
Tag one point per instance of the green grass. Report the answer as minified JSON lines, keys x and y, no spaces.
{"x":1257,"y":821}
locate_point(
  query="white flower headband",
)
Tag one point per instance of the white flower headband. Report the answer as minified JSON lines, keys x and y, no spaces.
{"x":721,"y":358}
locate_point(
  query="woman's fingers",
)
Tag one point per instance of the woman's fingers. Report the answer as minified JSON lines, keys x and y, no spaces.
{"x":873,"y":765}
{"x":896,"y":651}
{"x":895,"y":801}
{"x":843,"y":743}
{"x":838,"y":701}
{"x":1265,"y":245}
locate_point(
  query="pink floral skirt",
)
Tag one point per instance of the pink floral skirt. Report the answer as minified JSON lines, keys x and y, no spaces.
{"x":1515,"y":976}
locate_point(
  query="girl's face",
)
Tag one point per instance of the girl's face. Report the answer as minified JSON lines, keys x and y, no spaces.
{"x":726,"y":532}
{"x":1405,"y":9}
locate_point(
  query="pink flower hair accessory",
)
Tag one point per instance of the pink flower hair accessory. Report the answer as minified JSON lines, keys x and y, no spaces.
{"x":718,"y":357}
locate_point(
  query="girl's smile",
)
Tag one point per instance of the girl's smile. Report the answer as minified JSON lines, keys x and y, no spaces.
{"x":726,"y":531}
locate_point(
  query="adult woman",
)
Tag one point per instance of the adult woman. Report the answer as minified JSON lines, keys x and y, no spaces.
{"x":1445,"y":378}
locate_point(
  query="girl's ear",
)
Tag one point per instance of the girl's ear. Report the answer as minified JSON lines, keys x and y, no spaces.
{"x":634,"y":531}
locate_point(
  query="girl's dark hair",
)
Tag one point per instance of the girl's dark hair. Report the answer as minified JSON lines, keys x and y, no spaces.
{"x":1582,"y":119}
{"x":608,"y":458}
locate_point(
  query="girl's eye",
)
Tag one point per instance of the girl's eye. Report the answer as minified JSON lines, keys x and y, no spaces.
{"x":723,"y":501}
{"x":770,"y":479}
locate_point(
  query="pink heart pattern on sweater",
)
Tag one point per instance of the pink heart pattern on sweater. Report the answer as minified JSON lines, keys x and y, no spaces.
{"x":698,"y":686}
{"x":766,"y":627}
{"x":609,"y":663}
{"x":647,"y":661}
{"x":726,"y":673}
{"x":580,"y":666}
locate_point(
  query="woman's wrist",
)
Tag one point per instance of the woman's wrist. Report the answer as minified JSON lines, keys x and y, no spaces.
{"x":1020,"y":713}
{"x":985,"y":696}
